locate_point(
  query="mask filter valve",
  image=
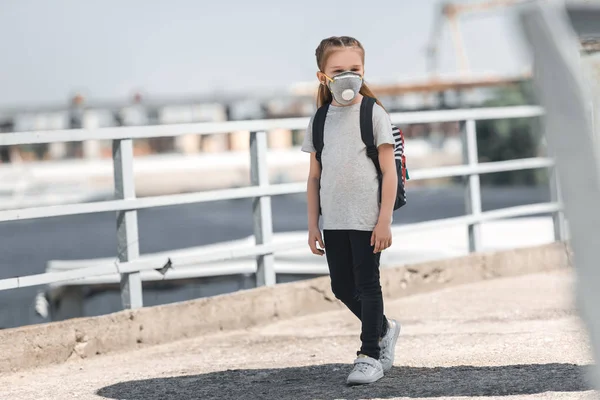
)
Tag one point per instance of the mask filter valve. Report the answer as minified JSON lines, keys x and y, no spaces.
{"x":348,"y":94}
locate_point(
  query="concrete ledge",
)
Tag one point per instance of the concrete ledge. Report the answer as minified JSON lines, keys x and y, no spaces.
{"x":39,"y":345}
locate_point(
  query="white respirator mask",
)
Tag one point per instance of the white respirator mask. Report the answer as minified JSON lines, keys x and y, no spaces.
{"x":345,"y":86}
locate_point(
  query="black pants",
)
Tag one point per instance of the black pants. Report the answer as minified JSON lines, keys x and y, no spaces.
{"x":354,"y":271}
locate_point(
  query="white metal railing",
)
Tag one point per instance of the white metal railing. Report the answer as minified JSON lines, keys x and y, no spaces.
{"x":126,"y":204}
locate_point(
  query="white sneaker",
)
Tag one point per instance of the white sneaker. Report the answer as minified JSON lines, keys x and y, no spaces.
{"x":366,"y":370}
{"x":387,"y":345}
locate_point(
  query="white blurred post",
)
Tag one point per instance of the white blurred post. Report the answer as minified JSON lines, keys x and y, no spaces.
{"x":472,"y":187}
{"x":261,"y":208}
{"x":127,"y":226}
{"x":558,"y":218}
{"x":569,"y":132}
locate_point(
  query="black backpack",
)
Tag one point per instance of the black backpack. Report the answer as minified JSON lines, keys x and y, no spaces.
{"x":366,"y":131}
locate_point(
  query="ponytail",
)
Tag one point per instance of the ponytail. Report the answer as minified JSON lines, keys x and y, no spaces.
{"x":366,"y":91}
{"x":323,"y":96}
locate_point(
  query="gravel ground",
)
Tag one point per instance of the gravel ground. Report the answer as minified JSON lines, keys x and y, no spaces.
{"x":513,"y":338}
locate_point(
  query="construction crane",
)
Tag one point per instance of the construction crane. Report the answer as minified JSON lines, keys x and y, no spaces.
{"x":450,"y":12}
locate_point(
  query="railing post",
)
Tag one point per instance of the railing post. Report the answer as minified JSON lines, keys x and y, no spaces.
{"x":558,"y":218}
{"x":261,"y":208}
{"x":473,"y":189}
{"x":127,"y":226}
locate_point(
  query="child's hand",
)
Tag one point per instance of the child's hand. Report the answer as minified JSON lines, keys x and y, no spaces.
{"x":381,"y":238}
{"x":314,"y":238}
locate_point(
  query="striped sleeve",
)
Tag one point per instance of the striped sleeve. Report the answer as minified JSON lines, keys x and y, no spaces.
{"x":398,"y":143}
{"x":382,"y":127}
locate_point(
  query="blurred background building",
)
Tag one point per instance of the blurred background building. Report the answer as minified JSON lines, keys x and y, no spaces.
{"x":449,"y":79}
{"x":454,"y":74}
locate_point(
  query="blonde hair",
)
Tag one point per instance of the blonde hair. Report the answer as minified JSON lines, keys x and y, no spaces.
{"x":328,"y":46}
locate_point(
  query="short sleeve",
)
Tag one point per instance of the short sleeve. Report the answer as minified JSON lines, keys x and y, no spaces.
{"x":382,"y":126}
{"x":307,"y":144}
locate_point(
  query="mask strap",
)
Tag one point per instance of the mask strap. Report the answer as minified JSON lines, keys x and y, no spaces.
{"x":331,"y":80}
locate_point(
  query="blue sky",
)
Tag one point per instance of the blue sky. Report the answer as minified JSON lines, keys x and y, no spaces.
{"x":109,"y":48}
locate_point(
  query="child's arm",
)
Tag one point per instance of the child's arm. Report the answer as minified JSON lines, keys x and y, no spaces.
{"x":312,"y":190}
{"x":382,"y":234}
{"x":389,"y":184}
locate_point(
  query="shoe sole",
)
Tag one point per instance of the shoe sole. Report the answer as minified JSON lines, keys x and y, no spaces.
{"x":373,"y":379}
{"x":394,"y":341}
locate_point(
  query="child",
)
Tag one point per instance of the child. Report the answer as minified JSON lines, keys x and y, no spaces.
{"x":356,"y":227}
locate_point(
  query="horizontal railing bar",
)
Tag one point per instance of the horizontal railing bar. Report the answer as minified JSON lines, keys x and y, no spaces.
{"x":249,"y":192}
{"x":477,"y":114}
{"x":62,"y":265}
{"x":193,"y":273}
{"x":486,"y":216}
{"x":63,"y":210}
{"x":139,"y":265}
{"x":72,"y":275}
{"x":150,"y":202}
{"x":241,"y":252}
{"x":481,"y":168}
{"x":204,"y":128}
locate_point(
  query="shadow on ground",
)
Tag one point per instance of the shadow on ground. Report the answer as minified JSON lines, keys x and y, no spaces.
{"x":327,"y":382}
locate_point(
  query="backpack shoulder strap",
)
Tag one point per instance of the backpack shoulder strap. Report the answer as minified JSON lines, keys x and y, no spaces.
{"x":318,"y":129}
{"x":366,"y":130}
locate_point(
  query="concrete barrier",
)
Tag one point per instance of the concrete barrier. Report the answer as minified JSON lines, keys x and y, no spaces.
{"x":39,"y":345}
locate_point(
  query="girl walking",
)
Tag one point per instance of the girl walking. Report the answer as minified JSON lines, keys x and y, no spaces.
{"x":356,"y":206}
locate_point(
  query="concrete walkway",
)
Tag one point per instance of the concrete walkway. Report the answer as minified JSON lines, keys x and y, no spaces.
{"x":512,"y":336}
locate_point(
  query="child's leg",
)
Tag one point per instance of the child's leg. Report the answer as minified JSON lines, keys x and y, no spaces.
{"x":366,"y":272}
{"x":338,"y":250}
{"x":339,"y":259}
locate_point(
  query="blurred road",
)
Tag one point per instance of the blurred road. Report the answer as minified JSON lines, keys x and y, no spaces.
{"x":26,"y":246}
{"x":515,"y":336}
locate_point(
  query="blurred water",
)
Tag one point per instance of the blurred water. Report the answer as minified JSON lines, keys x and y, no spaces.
{"x":26,"y":246}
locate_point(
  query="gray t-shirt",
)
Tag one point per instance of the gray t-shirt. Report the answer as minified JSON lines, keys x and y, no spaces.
{"x":349,"y":185}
